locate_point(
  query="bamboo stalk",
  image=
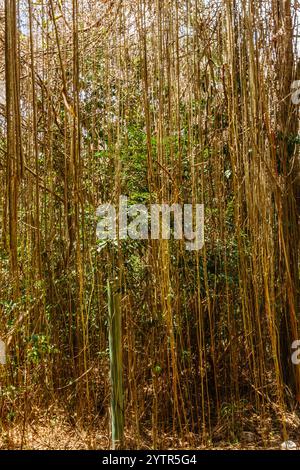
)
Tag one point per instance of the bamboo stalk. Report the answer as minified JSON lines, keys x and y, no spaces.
{"x":116,"y":367}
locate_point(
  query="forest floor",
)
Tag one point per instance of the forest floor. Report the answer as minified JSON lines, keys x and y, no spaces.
{"x":59,"y":434}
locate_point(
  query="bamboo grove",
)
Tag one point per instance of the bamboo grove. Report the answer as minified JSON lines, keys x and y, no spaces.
{"x":164,"y":101}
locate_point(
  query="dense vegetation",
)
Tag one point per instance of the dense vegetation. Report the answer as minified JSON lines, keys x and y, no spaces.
{"x":174,"y":101}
